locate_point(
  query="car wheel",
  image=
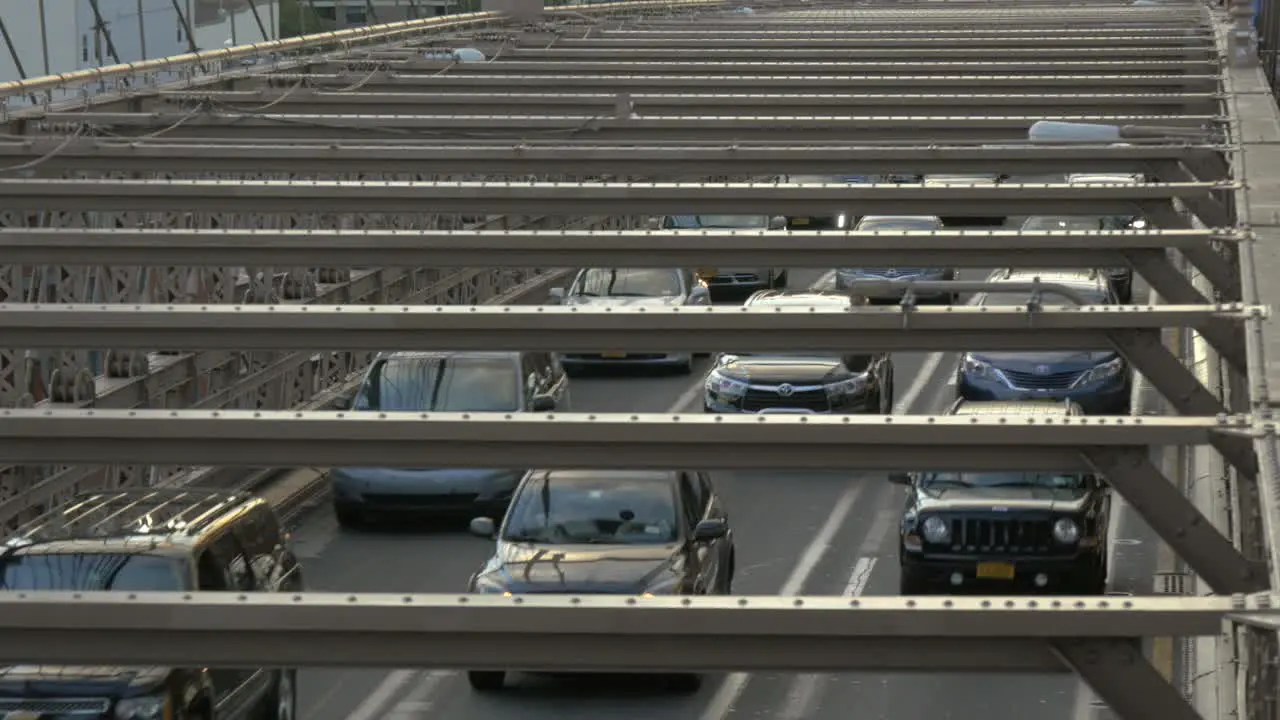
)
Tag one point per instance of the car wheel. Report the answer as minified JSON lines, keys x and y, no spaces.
{"x":686,"y":367}
{"x":572,"y":371}
{"x":348,"y":517}
{"x":281,"y":702}
{"x":486,"y":680}
{"x":686,"y":683}
{"x":780,"y":281}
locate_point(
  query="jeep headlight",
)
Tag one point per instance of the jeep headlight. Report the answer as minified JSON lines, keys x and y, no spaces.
{"x":1102,"y":372}
{"x":147,"y":707}
{"x":725,"y":386}
{"x":1066,"y":531}
{"x":936,"y":530}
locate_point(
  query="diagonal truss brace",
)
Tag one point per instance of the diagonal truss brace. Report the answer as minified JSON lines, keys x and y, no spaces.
{"x":1177,"y":521}
{"x":1118,"y":672}
{"x":1175,"y":288}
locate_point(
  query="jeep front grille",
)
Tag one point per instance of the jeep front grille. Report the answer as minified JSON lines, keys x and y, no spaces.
{"x":989,"y":535}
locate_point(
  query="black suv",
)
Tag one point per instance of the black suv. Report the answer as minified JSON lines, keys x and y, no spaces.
{"x":1038,"y":531}
{"x":150,"y":539}
{"x":800,"y":382}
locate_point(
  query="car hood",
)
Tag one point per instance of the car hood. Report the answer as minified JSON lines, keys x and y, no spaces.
{"x":1059,"y":360}
{"x":764,"y":369}
{"x":585,"y":300}
{"x":77,"y":680}
{"x":943,"y":498}
{"x":527,"y":568}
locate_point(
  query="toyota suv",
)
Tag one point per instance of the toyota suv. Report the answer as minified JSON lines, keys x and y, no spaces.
{"x":445,"y":382}
{"x":733,"y":278}
{"x":846,"y":277}
{"x":1041,"y":531}
{"x":800,"y":382}
{"x":1099,"y":379}
{"x":150,"y":540}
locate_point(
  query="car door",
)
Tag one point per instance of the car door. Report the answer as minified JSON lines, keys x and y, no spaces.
{"x":224,"y":566}
{"x":703,"y":558}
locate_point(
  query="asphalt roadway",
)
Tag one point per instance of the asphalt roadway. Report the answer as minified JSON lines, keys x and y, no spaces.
{"x":797,"y":534}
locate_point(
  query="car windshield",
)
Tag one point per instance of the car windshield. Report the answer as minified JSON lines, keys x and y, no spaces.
{"x":902,"y":223}
{"x":690,"y":222}
{"x":1063,"y":223}
{"x":93,"y":571}
{"x":441,"y":383}
{"x":1049,"y":480}
{"x":1093,"y":296}
{"x":628,"y":282}
{"x":594,"y":509}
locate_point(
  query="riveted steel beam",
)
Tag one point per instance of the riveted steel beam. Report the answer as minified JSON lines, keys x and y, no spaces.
{"x":1120,"y":675}
{"x":925,"y":41}
{"x":576,"y":199}
{"x":809,"y":69}
{"x":573,"y":440}
{"x":648,"y":128}
{"x":824,"y":53}
{"x":304,"y":100}
{"x":586,"y":633}
{"x":588,"y":157}
{"x":689,"y":84}
{"x":1173,"y":516}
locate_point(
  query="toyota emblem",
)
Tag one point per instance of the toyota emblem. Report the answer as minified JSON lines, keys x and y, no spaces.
{"x":785,"y":390}
{"x":1042,"y":369}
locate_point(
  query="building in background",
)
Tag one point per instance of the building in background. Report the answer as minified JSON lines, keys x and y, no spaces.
{"x":353,"y":13}
{"x":45,"y":37}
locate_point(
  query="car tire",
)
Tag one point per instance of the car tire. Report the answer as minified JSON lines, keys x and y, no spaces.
{"x":572,"y":371}
{"x":686,"y":683}
{"x":348,"y":517}
{"x":281,"y":702}
{"x":780,"y":281}
{"x":486,"y":680}
{"x":686,"y":367}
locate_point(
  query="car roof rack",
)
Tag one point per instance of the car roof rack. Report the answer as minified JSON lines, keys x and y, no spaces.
{"x":132,"y":512}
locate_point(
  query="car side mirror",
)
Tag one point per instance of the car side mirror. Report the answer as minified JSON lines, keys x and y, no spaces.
{"x":542,"y":403}
{"x":483,"y":527}
{"x":653,"y":224}
{"x":900,"y":478}
{"x":709,"y":530}
{"x":342,"y":403}
{"x":555,"y":295}
{"x":777,"y":222}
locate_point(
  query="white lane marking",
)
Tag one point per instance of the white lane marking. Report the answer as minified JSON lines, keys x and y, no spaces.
{"x":806,"y":690}
{"x":687,"y":398}
{"x":736,"y":683}
{"x":373,"y":705}
{"x":418,"y":702}
{"x":925,"y":377}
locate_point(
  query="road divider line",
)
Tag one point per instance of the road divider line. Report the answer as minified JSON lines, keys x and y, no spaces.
{"x":374,"y":706}
{"x":735,"y":684}
{"x":925,"y":377}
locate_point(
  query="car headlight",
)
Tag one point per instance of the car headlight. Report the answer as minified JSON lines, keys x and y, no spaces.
{"x":1104,"y":371}
{"x":936,"y":530}
{"x":487,"y":584}
{"x":976,"y":368}
{"x":1138,"y":224}
{"x":148,"y":707}
{"x":725,"y":386}
{"x":850,"y":386}
{"x":1066,"y":531}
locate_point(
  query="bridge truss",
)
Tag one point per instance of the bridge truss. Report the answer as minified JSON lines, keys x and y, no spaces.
{"x":202,"y":252}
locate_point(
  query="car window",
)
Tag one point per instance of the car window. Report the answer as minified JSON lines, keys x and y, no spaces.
{"x":693,"y":222}
{"x":1043,"y":224}
{"x":695,"y":506}
{"x":604,"y":509}
{"x":1093,"y":296}
{"x":903,"y":223}
{"x":628,"y":282}
{"x":441,"y":384}
{"x":259,"y":534}
{"x":1051,"y":480}
{"x":224,"y":565}
{"x":94,"y":571}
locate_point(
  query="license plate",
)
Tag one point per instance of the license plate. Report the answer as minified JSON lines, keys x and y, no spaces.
{"x":613,"y":355}
{"x":799,"y":221}
{"x":995,"y":571}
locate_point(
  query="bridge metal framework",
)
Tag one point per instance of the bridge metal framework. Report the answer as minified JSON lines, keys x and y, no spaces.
{"x":204,"y":211}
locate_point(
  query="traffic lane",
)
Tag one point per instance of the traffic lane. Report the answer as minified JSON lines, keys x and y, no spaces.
{"x":786,"y":526}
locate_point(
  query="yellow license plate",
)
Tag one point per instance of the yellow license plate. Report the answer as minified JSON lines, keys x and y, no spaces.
{"x":799,"y":221}
{"x":613,"y":355}
{"x":995,"y":571}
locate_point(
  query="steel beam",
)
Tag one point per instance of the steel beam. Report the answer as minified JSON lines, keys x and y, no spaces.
{"x":768,"y":52}
{"x":573,"y":440}
{"x":699,"y":67}
{"x":585,"y":157}
{"x":1120,"y":675}
{"x":576,"y":199}
{"x":296,"y":100}
{"x":585,"y":633}
{"x":690,"y":84}
{"x":606,"y":248}
{"x":926,"y":41}
{"x":574,"y":329}
{"x":647,"y":128}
